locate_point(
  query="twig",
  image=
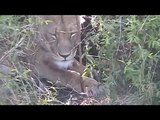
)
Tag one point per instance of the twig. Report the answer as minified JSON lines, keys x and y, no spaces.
{"x":10,"y":51}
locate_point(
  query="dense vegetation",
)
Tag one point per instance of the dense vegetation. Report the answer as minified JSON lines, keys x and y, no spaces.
{"x":127,"y":59}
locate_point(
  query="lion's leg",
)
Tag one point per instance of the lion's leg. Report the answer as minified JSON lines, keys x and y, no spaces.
{"x":68,"y":78}
{"x":63,"y":77}
{"x":78,"y":67}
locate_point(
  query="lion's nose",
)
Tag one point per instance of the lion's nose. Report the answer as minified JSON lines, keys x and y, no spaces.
{"x":64,"y":55}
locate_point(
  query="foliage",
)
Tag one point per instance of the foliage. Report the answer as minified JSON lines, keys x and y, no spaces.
{"x":16,"y":86}
{"x":127,"y":58}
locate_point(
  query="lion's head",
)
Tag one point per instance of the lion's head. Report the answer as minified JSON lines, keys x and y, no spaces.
{"x":60,"y":35}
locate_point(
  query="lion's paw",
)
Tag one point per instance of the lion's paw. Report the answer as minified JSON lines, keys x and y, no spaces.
{"x":92,"y":88}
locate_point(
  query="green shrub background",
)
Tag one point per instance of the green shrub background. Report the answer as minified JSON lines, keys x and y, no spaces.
{"x":128,"y":59}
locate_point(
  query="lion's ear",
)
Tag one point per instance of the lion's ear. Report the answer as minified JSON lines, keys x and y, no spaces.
{"x":82,"y":20}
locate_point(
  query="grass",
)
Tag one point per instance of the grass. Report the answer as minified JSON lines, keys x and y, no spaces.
{"x":127,"y":59}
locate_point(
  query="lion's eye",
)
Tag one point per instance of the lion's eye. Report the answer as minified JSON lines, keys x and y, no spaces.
{"x":73,"y":34}
{"x":53,"y":36}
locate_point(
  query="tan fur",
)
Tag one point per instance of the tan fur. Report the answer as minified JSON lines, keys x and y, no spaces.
{"x":45,"y":57}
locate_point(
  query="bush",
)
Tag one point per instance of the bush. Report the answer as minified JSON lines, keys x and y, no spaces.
{"x":127,"y":59}
{"x":16,"y":86}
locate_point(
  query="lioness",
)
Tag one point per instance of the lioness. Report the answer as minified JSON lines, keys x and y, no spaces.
{"x":53,"y":56}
